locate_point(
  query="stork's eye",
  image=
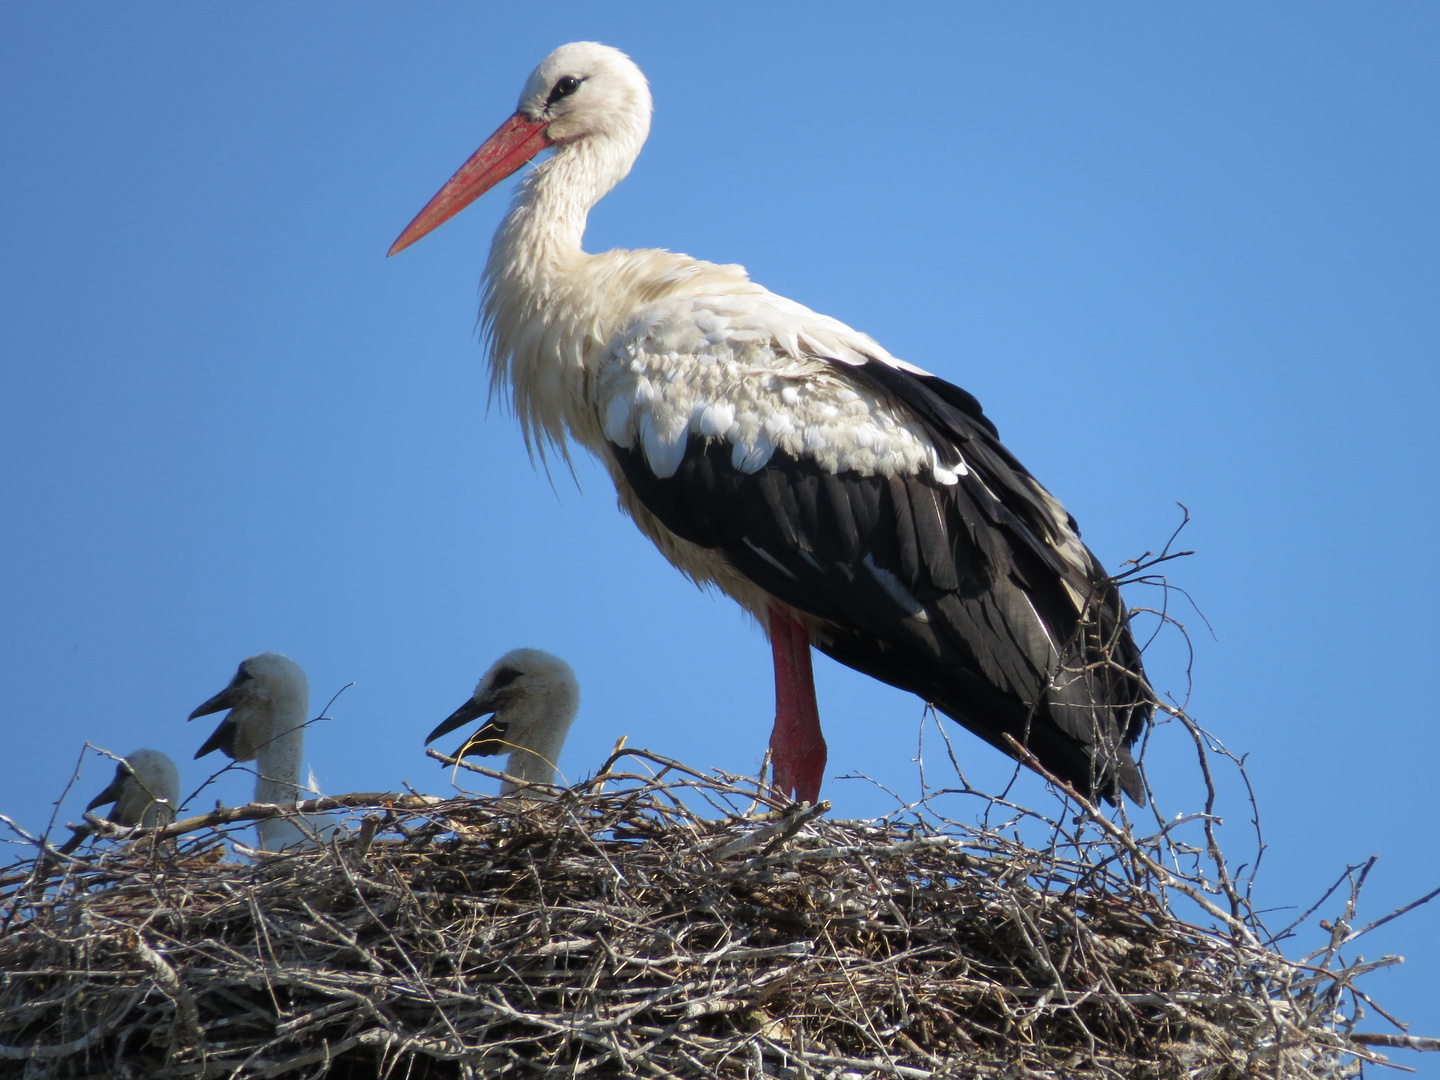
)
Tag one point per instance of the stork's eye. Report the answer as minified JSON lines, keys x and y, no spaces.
{"x":564,"y":87}
{"x":504,"y":677}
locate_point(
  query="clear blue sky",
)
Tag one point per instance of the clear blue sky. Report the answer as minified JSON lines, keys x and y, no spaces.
{"x":1182,"y":253}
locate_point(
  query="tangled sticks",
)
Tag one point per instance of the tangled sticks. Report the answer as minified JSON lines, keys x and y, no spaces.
{"x":667,"y":925}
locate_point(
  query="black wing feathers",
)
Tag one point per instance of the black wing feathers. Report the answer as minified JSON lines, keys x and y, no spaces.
{"x":837,"y":518}
{"x":936,"y":550}
{"x":937,"y":404}
{"x":955,"y":592}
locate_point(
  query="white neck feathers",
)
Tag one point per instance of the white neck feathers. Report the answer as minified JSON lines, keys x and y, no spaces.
{"x":278,"y":760}
{"x":536,"y":726}
{"x":547,"y":303}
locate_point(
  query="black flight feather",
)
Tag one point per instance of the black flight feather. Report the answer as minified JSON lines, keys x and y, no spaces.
{"x":956,"y":592}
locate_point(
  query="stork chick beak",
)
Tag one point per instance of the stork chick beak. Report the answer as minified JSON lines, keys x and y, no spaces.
{"x":223,"y":737}
{"x":517,"y":141}
{"x":110,"y":794}
{"x":225,"y":699}
{"x":471,"y":710}
{"x":485,"y":742}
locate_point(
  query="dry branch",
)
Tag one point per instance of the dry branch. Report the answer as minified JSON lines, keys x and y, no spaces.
{"x":615,"y":931}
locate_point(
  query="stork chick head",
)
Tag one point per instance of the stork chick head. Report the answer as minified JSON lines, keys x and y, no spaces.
{"x":264,"y":686}
{"x":145,"y":789}
{"x":533,"y":696}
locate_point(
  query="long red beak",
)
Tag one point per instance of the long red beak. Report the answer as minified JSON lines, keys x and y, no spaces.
{"x":517,"y":141}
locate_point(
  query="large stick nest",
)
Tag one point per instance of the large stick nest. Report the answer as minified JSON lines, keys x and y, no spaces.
{"x":675,"y":926}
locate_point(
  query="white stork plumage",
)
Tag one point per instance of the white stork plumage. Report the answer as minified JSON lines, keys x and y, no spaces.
{"x":269,"y":702}
{"x":846,"y":499}
{"x":531,"y":697}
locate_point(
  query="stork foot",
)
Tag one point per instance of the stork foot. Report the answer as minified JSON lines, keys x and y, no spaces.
{"x":797,"y":747}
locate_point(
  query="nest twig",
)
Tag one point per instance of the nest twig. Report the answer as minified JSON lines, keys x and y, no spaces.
{"x":668,"y":925}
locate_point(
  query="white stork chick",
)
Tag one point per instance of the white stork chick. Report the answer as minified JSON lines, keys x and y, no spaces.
{"x":269,"y":702}
{"x":145,"y":791}
{"x":533,"y":697}
{"x":846,"y":499}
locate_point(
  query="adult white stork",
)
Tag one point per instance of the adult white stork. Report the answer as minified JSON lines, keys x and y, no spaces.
{"x":531,"y":697}
{"x":846,"y":499}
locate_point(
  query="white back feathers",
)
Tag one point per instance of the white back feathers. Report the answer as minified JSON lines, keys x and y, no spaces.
{"x":533,"y":697}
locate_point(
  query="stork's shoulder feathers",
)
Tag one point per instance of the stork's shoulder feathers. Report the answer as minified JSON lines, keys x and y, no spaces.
{"x":713,"y":359}
{"x":719,"y":357}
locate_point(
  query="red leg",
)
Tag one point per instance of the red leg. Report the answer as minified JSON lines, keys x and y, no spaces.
{"x":797,"y":748}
